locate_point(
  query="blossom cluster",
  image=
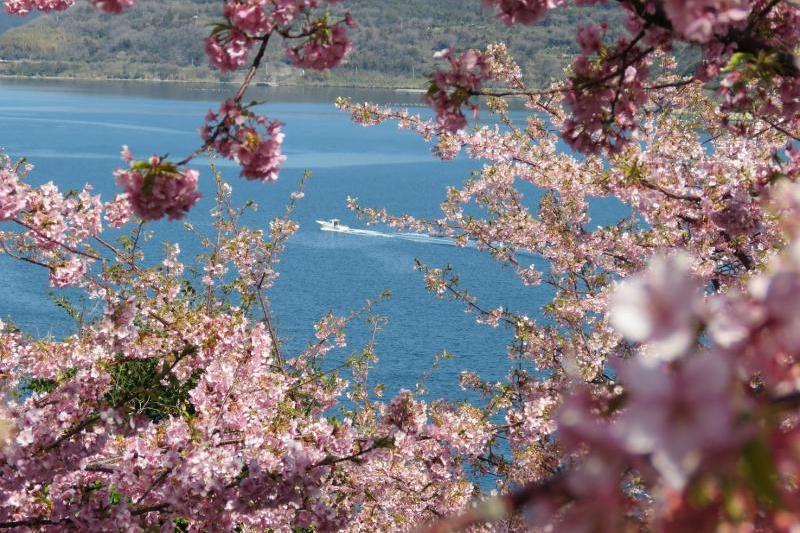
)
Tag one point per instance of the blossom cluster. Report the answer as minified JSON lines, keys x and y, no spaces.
{"x":53,"y":227}
{"x":251,"y":140}
{"x":13,"y":195}
{"x":23,"y":7}
{"x":644,"y":395}
{"x":604,"y":116}
{"x":326,"y":47}
{"x":691,"y":411}
{"x":521,"y":11}
{"x":746,"y":47}
{"x":450,"y":90}
{"x":324,"y":44}
{"x":156,"y":188}
{"x":162,"y":410}
{"x":227,"y":451}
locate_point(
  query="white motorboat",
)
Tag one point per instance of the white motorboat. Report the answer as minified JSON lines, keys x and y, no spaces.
{"x":333,"y":225}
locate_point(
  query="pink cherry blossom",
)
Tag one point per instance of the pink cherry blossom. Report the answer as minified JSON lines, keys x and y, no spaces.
{"x":228,"y":50}
{"x":325,"y":49}
{"x":678,"y":414}
{"x":251,"y":140}
{"x":406,"y":413}
{"x":699,"y":20}
{"x":68,"y":274}
{"x":656,"y":307}
{"x":23,"y":7}
{"x":522,"y":11}
{"x":12,"y":194}
{"x":451,"y":90}
{"x":118,"y":211}
{"x":114,"y":6}
{"x":248,"y":17}
{"x":156,"y":188}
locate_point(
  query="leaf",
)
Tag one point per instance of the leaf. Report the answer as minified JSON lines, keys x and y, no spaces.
{"x":759,"y":471}
{"x":737,"y":60}
{"x":65,"y":304}
{"x":40,"y":385}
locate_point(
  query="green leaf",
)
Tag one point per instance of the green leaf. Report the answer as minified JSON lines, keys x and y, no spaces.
{"x":759,"y":471}
{"x":737,"y":60}
{"x":114,"y":496}
{"x":65,"y":304}
{"x":40,"y":386}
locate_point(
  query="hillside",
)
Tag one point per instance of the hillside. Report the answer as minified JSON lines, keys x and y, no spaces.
{"x":394,"y":43}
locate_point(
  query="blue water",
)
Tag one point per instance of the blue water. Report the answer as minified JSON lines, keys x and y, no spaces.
{"x":72,"y":133}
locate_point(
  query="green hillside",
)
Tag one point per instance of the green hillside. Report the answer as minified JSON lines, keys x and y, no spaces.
{"x":394,"y":43}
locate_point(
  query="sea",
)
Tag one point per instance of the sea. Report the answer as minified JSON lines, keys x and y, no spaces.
{"x":72,"y":132}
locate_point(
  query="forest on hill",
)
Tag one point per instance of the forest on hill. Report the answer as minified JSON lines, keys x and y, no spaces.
{"x":393,"y":45}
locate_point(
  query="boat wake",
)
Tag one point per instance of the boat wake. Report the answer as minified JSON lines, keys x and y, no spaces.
{"x":335,"y":226}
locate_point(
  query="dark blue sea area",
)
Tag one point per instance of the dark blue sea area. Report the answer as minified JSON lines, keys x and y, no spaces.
{"x":72,"y":133}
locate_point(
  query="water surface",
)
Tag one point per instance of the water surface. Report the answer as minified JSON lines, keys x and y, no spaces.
{"x":72,"y":133}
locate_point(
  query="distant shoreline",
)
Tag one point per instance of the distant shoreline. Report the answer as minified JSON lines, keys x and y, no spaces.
{"x":398,"y":88}
{"x":136,"y":80}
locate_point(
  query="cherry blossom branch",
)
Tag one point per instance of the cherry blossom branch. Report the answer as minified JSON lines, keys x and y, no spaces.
{"x":277,"y":243}
{"x":387,"y":442}
{"x":57,"y":242}
{"x":507,"y":505}
{"x":248,"y":79}
{"x":780,"y":128}
{"x":268,"y":322}
{"x":463,"y":296}
{"x":21,"y":257}
{"x":669,"y":194}
{"x":254,"y":66}
{"x":33,"y":522}
{"x":560,"y":90}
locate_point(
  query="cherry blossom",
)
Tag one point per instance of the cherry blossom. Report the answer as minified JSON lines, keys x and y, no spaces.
{"x":251,"y":140}
{"x":326,"y":48}
{"x":114,"y":6}
{"x":23,"y":7}
{"x":657,"y":308}
{"x":228,"y":50}
{"x":12,"y":194}
{"x":700,"y":20}
{"x":118,"y":211}
{"x":652,"y":382}
{"x":522,"y":11}
{"x":449,"y":91}
{"x":68,"y":274}
{"x":155,"y":188}
{"x":678,"y":414}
